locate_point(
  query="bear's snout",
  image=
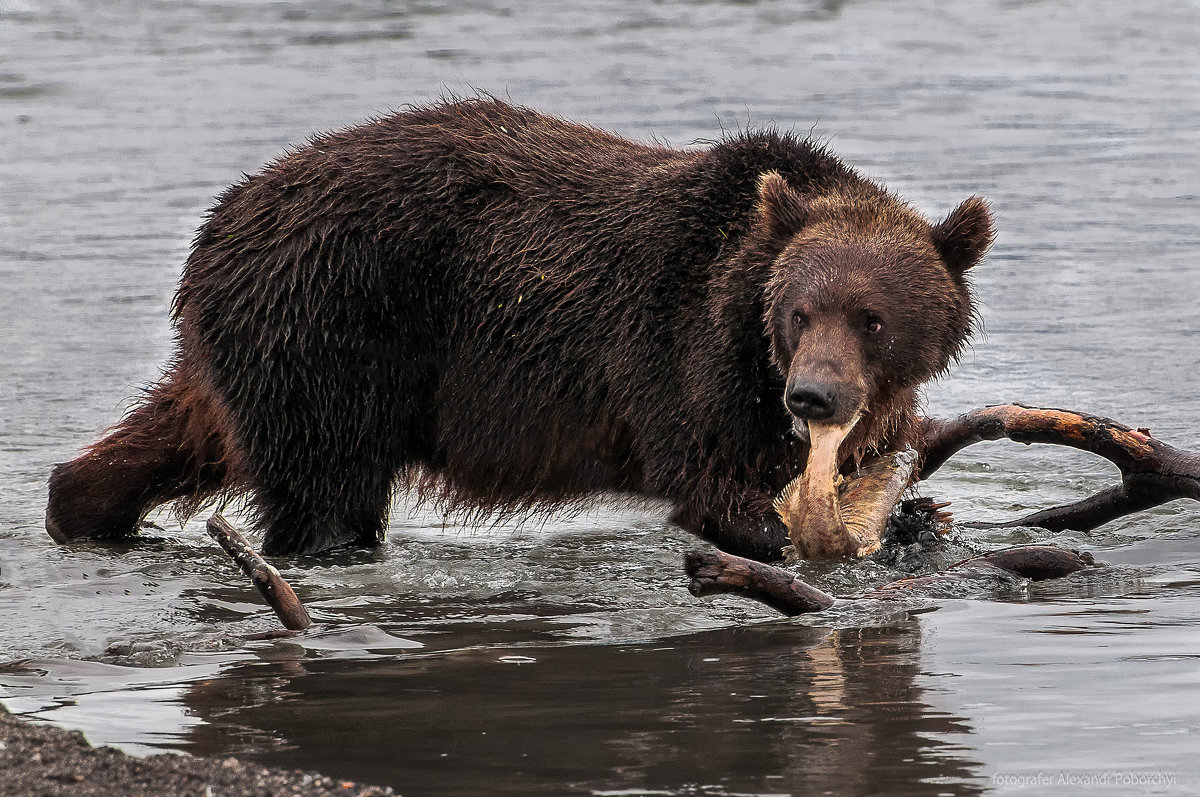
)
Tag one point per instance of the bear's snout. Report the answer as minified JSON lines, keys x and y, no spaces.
{"x":827,"y":379}
{"x":811,"y":401}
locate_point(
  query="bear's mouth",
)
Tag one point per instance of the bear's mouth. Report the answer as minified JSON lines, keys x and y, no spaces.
{"x":800,"y":429}
{"x":829,"y":517}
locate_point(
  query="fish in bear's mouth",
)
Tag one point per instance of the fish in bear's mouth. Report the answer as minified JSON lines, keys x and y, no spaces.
{"x":831,"y":517}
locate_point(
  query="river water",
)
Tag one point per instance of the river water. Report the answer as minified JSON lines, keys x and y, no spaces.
{"x":567,"y":657}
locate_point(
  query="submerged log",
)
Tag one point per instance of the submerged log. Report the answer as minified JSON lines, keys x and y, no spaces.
{"x":715,"y":572}
{"x":277,"y":592}
{"x":1033,"y":562}
{"x":1152,"y":472}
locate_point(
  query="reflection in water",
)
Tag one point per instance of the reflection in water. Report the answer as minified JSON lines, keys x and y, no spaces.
{"x":769,"y":708}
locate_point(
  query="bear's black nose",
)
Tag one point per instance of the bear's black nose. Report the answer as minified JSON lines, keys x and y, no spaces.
{"x":811,"y":402}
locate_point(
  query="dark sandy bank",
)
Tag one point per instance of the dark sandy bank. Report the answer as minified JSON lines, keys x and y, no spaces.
{"x":40,"y":760}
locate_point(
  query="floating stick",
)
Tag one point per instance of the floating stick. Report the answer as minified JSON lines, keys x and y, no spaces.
{"x":277,"y":592}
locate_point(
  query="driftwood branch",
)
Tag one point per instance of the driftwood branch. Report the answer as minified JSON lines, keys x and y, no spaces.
{"x":277,"y":592}
{"x":716,"y":572}
{"x":1152,"y":472}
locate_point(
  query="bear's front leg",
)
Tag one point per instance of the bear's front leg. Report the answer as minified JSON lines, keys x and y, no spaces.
{"x":749,"y":527}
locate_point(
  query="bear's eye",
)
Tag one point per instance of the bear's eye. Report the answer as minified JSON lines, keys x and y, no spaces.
{"x":799,"y":321}
{"x":874,"y":324}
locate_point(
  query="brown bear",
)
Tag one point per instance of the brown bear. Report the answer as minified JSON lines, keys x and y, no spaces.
{"x":511,"y":312}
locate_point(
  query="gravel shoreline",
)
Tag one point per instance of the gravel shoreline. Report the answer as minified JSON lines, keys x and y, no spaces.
{"x":43,"y":760}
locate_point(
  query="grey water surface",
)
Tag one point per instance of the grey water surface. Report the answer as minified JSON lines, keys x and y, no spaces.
{"x":566,"y":656}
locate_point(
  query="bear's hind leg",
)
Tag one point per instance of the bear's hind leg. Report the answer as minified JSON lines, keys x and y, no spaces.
{"x":334,"y":508}
{"x":172,"y":446}
{"x":323,"y":464}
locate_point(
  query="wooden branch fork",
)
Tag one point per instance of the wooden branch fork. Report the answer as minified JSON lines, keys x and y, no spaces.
{"x":1152,"y":473}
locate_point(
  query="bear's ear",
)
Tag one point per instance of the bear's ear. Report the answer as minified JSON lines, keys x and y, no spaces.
{"x":781,"y":210}
{"x":964,"y":236}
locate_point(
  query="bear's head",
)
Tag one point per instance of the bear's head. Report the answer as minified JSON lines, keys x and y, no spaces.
{"x":865,"y":301}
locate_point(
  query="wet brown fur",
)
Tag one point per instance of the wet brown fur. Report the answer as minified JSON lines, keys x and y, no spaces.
{"x":513,"y":312}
